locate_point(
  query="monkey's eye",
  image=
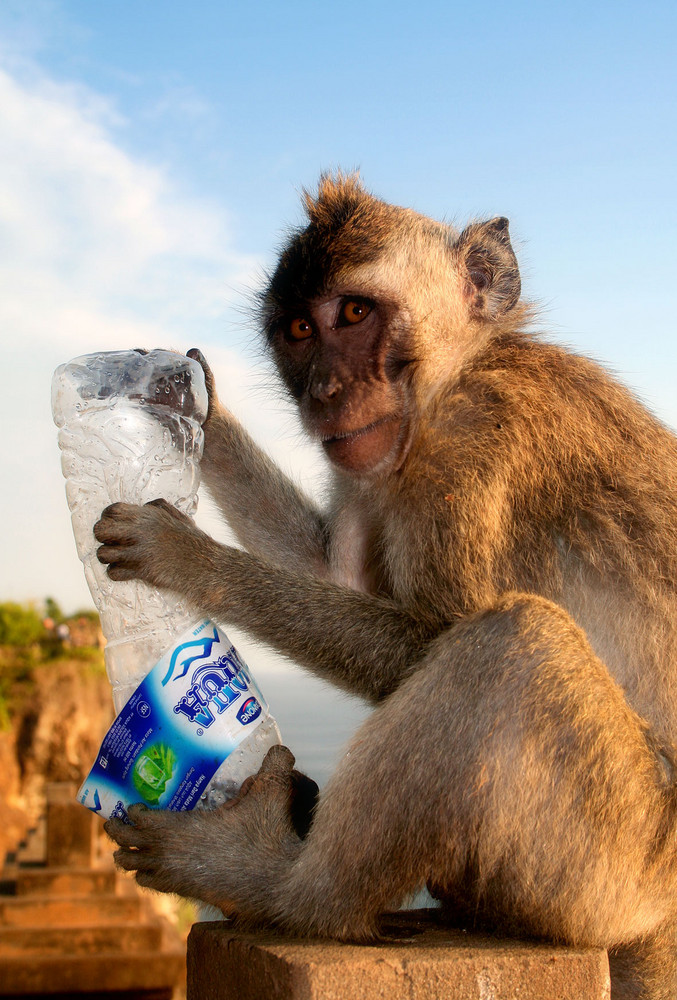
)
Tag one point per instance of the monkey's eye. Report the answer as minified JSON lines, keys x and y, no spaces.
{"x":300,"y":329}
{"x":353,"y":311}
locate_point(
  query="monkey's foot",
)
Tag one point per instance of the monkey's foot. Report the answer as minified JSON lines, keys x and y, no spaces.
{"x":224,"y":856}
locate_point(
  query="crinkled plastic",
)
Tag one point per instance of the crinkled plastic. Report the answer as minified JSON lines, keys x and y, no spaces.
{"x":130,"y":429}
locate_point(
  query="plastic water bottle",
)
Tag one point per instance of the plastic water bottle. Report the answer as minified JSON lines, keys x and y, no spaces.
{"x":130,"y":429}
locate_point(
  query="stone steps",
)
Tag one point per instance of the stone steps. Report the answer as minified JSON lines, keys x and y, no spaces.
{"x":63,"y":881}
{"x":106,"y":939}
{"x":69,"y":911}
{"x":33,"y":849}
{"x":74,"y":974}
{"x":71,"y":926}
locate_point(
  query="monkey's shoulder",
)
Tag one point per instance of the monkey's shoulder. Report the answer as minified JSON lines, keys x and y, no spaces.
{"x":533,"y":447}
{"x":525,"y":409}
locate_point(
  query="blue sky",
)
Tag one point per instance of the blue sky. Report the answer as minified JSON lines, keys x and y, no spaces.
{"x":151,"y":156}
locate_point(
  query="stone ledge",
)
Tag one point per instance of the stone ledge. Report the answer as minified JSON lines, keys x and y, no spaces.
{"x":432,"y":963}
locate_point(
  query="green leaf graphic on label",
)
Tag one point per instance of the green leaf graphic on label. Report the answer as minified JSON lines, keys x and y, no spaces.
{"x":152,"y":770}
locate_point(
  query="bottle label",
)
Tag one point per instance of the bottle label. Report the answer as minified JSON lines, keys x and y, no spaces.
{"x":187,"y":715}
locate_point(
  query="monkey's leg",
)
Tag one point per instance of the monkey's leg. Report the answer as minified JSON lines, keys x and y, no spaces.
{"x":646,"y":968}
{"x":508,"y":771}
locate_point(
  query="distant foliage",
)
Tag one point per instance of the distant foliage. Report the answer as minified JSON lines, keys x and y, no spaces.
{"x":89,"y":613}
{"x":19,"y":625}
{"x":53,"y":610}
{"x":27,"y":646}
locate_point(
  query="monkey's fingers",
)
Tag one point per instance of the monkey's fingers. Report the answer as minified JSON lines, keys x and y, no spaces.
{"x":132,"y":860}
{"x":120,"y":554}
{"x":281,"y":791}
{"x":129,"y":834}
{"x":196,"y":354}
{"x":169,"y":508}
{"x":273,"y":772}
{"x":120,"y":512}
{"x":115,"y":829}
{"x":241,"y":793}
{"x":117,"y":553}
{"x":141,"y":815}
{"x":277,"y":766}
{"x":122,"y":574}
{"x":122,"y":560}
{"x":117,"y":524}
{"x":300,"y":790}
{"x":158,"y":847}
{"x":114,"y":533}
{"x":140,"y":842}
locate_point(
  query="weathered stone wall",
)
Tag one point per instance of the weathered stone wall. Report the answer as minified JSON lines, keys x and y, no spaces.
{"x":61,"y":710}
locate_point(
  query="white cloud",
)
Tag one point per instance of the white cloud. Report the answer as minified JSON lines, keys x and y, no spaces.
{"x":98,"y":251}
{"x":90,"y":229}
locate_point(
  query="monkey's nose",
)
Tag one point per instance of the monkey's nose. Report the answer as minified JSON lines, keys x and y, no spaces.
{"x":325,"y":388}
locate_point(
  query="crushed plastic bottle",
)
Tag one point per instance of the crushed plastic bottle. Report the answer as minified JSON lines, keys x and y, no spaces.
{"x":130,"y":429}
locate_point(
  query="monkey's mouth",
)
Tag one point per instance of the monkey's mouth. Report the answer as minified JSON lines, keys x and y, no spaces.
{"x":364,"y":449}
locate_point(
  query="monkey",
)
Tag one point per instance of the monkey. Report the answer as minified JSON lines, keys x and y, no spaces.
{"x":495,"y":571}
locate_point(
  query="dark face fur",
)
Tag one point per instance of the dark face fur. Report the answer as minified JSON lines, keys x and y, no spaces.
{"x":333,"y":345}
{"x":340,"y":363}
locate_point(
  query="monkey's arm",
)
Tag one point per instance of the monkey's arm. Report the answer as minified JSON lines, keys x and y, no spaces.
{"x":269,"y":515}
{"x":363,"y":643}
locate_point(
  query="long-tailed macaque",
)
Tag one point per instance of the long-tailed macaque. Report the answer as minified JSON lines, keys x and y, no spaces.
{"x":496,"y":570}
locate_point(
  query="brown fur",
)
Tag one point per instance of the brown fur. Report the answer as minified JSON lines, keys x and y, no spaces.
{"x":496,"y":571}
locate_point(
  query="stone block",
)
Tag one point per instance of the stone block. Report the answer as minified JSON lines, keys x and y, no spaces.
{"x":430,"y":962}
{"x":72,"y":830}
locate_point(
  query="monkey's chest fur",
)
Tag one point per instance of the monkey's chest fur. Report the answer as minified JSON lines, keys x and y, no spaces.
{"x":382,"y":543}
{"x":402,"y":546}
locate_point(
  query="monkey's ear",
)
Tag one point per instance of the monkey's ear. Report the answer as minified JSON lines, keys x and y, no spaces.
{"x":489,"y":268}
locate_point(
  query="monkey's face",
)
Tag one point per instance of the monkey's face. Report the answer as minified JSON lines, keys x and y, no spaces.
{"x":339,"y":357}
{"x":370,"y":308}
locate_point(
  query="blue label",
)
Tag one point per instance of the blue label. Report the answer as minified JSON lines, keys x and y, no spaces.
{"x":187,"y":715}
{"x":249,"y":711}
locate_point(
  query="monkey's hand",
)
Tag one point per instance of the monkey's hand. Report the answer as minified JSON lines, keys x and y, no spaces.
{"x":228,"y":856}
{"x":155,"y":543}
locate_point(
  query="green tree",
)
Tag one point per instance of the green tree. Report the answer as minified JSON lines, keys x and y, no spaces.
{"x":19,"y":625}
